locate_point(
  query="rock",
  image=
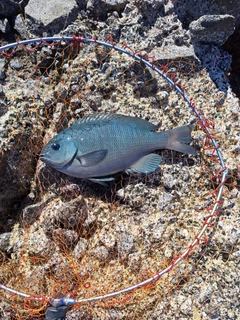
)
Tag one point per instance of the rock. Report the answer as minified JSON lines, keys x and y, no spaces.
{"x":156,"y":232}
{"x":4,"y":26}
{"x":108,"y":239}
{"x":173,"y":52}
{"x":39,"y":244}
{"x":64,"y":215}
{"x":81,"y":4}
{"x":65,"y":239}
{"x":14,"y":183}
{"x":2,"y":104}
{"x":99,"y":8}
{"x":125,"y":241}
{"x":134,"y":261}
{"x":130,"y":15}
{"x":186,"y":305}
{"x":165,"y":199}
{"x":21,"y":27}
{"x":169,"y":181}
{"x":189,"y":10}
{"x":101,"y":253}
{"x":5,"y":241}
{"x":2,"y":69}
{"x":80,"y":249}
{"x":57,"y":264}
{"x":15,"y":64}
{"x":11,"y":8}
{"x":32,"y":212}
{"x":150,"y":9}
{"x":216,"y":70}
{"x":73,"y":314}
{"x":50,"y":17}
{"x":120,"y":193}
{"x":213,"y":29}
{"x":16,"y":239}
{"x":205,"y":293}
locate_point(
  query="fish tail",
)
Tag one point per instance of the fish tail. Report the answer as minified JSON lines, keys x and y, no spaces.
{"x":178,"y":137}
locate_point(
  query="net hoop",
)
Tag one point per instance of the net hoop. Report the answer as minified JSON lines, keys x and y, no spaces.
{"x":204,"y":125}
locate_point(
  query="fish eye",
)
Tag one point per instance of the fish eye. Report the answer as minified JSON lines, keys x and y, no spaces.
{"x":55,"y":146}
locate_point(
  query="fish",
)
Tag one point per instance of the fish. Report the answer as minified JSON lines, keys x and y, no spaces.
{"x":99,"y":145}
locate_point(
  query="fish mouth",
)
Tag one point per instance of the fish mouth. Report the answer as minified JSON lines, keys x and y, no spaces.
{"x":49,"y":162}
{"x":44,"y":158}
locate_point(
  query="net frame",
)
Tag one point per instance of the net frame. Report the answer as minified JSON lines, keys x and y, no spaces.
{"x":205,"y":125}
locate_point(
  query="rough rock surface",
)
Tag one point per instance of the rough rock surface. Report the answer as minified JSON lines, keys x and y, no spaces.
{"x":50,"y":17}
{"x":9,"y":12}
{"x":213,"y":29}
{"x":11,"y":8}
{"x":99,"y":9}
{"x":189,"y":10}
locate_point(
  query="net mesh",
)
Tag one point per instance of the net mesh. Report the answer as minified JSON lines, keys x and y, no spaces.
{"x":68,"y":237}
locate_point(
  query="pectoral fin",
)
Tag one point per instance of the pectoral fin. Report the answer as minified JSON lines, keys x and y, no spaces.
{"x":92,"y":158}
{"x":146,"y":164}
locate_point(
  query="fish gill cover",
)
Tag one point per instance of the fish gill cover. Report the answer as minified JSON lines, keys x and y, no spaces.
{"x":64,"y":237}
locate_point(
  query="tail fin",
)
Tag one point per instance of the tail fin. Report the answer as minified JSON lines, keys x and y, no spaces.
{"x":177,"y":139}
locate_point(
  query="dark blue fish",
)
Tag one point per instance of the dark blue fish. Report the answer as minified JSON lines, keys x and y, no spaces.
{"x":99,"y":145}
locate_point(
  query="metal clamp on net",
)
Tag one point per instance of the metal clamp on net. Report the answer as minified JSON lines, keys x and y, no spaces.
{"x":56,"y":313}
{"x":59,"y":308}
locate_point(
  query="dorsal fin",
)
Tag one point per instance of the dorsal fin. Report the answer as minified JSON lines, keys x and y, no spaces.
{"x":104,"y":118}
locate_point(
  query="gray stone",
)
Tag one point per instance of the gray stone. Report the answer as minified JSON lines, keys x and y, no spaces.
{"x":125,"y":241}
{"x":189,"y":10}
{"x":220,"y":63}
{"x":115,"y":5}
{"x":150,"y":9}
{"x":173,"y":52}
{"x":65,"y":239}
{"x":120,"y":193}
{"x":101,"y":253}
{"x":134,"y":261}
{"x":99,"y":8}
{"x":2,"y":69}
{"x":80,"y":248}
{"x":15,"y":64}
{"x":39,"y":244}
{"x":168,"y":181}
{"x":11,"y":8}
{"x":5,"y":241}
{"x":4,"y":26}
{"x":81,"y":4}
{"x":32,"y":212}
{"x":108,"y":239}
{"x":50,"y":17}
{"x":70,"y":215}
{"x":129,"y":9}
{"x":21,"y":27}
{"x":1,"y":101}
{"x":212,"y":28}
